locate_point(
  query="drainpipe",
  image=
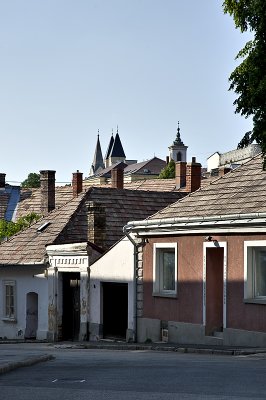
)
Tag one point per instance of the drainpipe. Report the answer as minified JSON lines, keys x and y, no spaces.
{"x":135,"y":317}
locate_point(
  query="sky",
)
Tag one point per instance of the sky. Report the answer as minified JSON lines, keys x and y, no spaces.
{"x":69,"y":68}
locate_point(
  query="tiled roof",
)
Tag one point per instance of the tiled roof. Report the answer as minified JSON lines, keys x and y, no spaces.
{"x":150,"y":167}
{"x":28,"y":246}
{"x":121,"y":206}
{"x":106,"y":172}
{"x":241,"y":191}
{"x":153,"y":166}
{"x":102,"y":210}
{"x":158,"y":185}
{"x":30,"y":199}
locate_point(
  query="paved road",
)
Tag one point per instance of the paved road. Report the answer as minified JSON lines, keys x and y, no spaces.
{"x":78,"y":374}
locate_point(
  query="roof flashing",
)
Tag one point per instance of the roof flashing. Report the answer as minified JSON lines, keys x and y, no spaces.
{"x":43,"y":226}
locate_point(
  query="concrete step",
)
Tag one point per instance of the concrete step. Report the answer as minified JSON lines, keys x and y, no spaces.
{"x":218,"y":335}
{"x":213,"y":340}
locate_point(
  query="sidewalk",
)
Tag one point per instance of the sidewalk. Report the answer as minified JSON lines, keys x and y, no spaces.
{"x":15,"y":354}
{"x":12,"y":358}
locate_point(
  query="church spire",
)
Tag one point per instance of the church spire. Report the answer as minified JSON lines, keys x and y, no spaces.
{"x":117,"y":149}
{"x":109,"y":148}
{"x":178,"y":151}
{"x":97,"y":164}
{"x":178,"y":141}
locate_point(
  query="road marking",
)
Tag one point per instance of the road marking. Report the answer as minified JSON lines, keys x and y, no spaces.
{"x":70,"y":380}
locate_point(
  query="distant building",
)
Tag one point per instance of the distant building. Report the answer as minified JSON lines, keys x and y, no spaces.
{"x":114,"y":154}
{"x":133,"y":171}
{"x":232,"y":159}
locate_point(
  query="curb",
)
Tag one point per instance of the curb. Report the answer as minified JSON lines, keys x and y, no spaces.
{"x":135,"y":347}
{"x":25,"y":363}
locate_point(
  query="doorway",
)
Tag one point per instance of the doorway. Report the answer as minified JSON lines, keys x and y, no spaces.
{"x":31,"y":315}
{"x":115,"y":310}
{"x":214,"y":287}
{"x":71,"y":306}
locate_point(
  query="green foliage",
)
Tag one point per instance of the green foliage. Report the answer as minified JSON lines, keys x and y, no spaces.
{"x":248,"y":80}
{"x":33,"y":181}
{"x":9,"y":228}
{"x":168,"y":171}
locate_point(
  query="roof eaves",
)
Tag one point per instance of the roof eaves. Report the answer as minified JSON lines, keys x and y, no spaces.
{"x":171,"y":223}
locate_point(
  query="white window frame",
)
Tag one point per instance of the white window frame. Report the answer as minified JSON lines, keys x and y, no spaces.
{"x":249,"y":271}
{"x":157,"y":290}
{"x":7,"y":316}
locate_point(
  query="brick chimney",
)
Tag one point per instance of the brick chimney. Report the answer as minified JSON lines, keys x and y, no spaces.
{"x":2,"y":180}
{"x":193,"y":178}
{"x":47,"y":179}
{"x":77,"y":183}
{"x":97,"y":230}
{"x":180,"y":173}
{"x":117,"y":177}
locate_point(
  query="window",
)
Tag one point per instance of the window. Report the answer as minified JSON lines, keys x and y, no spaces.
{"x":255,"y":271}
{"x":9,"y":300}
{"x":165,"y":269}
{"x":179,"y":156}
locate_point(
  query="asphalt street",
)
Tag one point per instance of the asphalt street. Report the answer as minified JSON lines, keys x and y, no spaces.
{"x":107,"y":374}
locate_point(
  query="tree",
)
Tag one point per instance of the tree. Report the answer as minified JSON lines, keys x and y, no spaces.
{"x":9,"y":228}
{"x":168,"y":171}
{"x":248,"y":80}
{"x":33,"y":181}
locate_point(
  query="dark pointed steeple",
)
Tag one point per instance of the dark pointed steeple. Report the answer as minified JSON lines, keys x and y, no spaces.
{"x":98,"y":158}
{"x":117,"y":149}
{"x":109,"y":148}
{"x":178,"y":141}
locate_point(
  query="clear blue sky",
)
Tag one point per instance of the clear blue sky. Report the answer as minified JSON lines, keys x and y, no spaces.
{"x":71,"y":67}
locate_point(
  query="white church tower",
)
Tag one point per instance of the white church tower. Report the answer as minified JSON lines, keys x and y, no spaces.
{"x":178,"y":151}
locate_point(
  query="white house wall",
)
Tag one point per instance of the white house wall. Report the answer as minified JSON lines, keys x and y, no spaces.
{"x":213,"y":161}
{"x":26,"y":281}
{"x":117,"y":266}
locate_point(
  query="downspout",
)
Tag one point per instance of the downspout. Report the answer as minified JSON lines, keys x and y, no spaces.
{"x":126,"y":229}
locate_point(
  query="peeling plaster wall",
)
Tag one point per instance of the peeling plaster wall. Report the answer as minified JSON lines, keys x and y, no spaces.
{"x":27,"y":280}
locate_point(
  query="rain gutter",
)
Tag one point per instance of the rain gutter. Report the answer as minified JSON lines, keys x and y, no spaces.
{"x":135,"y":323}
{"x":228,"y":219}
